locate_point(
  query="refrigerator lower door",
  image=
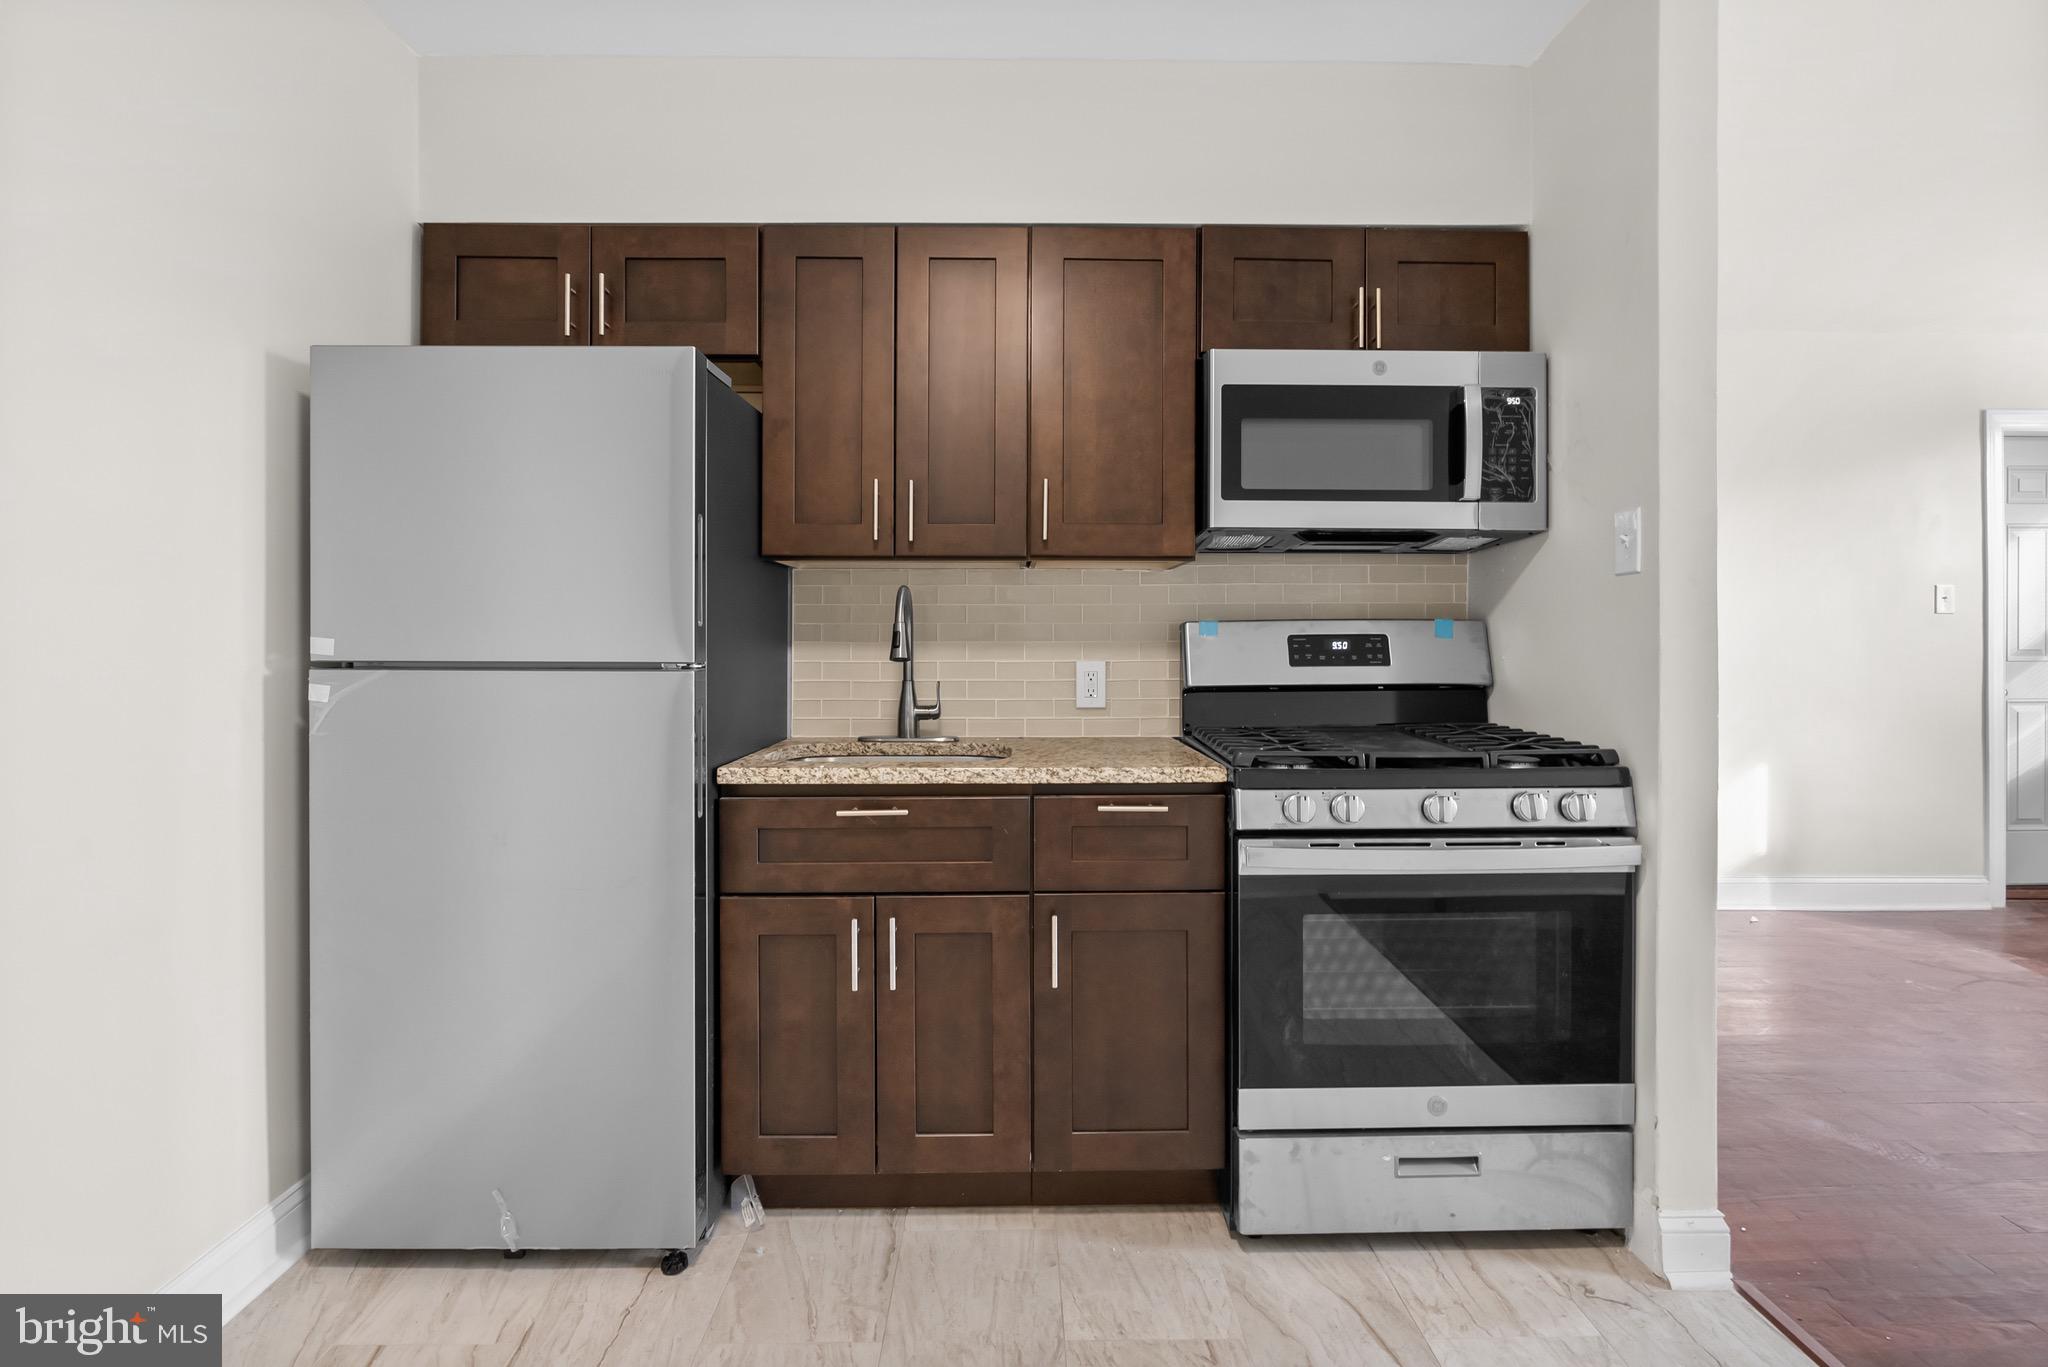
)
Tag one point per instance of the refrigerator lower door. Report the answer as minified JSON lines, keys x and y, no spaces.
{"x":503,"y":986}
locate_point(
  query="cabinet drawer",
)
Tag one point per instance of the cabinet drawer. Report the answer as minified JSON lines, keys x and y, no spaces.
{"x":1129,"y":842}
{"x":875,"y":844}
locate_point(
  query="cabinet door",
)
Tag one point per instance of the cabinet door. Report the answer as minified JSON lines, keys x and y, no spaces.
{"x":828,"y":357}
{"x":960,"y":390}
{"x":1127,"y":1031}
{"x":1112,"y":393}
{"x":1283,"y":287}
{"x":953,"y":1034}
{"x":797,"y":1034}
{"x":504,"y":284}
{"x":678,"y":285}
{"x":1448,"y":289}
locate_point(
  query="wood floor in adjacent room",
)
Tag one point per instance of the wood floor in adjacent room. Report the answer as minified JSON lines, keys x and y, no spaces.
{"x":1051,"y":1288}
{"x":1884,"y":1128}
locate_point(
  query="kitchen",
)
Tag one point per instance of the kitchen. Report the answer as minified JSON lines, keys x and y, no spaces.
{"x":1533,"y":687}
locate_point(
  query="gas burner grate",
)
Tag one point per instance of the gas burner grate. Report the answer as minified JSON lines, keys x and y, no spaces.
{"x":1507,"y":747}
{"x":1399,"y":745}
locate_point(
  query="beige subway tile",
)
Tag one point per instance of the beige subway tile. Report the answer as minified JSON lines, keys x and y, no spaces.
{"x":1399,"y":571}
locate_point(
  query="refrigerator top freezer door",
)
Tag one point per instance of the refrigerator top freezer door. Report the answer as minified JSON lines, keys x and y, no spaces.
{"x":506,"y":505}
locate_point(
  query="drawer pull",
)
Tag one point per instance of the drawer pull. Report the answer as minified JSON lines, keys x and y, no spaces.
{"x":1131,"y":807}
{"x":1465,"y":1165}
{"x":873,"y":811}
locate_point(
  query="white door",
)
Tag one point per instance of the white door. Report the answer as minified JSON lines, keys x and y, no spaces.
{"x":2026,"y":660}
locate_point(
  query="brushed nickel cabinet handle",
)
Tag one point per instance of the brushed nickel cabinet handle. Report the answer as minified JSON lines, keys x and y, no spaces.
{"x":892,"y":953}
{"x":600,"y":304}
{"x":873,"y":811}
{"x":853,"y":957}
{"x":1055,"y":951}
{"x":1358,"y":331}
{"x":568,"y":294}
{"x":1131,"y":807}
{"x":878,"y":510}
{"x":1045,"y":509}
{"x":913,"y":512}
{"x":1379,"y":319}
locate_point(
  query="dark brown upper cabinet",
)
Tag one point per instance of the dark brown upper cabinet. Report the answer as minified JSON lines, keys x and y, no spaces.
{"x":828,"y":397}
{"x":953,"y":1034}
{"x":677,"y":285}
{"x":504,"y":284}
{"x":1444,"y":289}
{"x":1282,"y":287}
{"x":961,"y":390}
{"x":1113,"y":361}
{"x":797,"y":1044}
{"x":1127,"y":1024}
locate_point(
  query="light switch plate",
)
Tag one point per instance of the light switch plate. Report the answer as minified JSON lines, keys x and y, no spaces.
{"x":1944,"y":598}
{"x":1628,"y":541}
{"x":1091,"y":683}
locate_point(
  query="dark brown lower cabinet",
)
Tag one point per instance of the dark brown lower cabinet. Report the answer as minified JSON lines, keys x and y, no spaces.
{"x":797,"y":1049}
{"x":1127,"y":1025}
{"x":953,"y":1034}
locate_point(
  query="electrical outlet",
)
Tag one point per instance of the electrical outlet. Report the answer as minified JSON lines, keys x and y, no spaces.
{"x":1091,"y":683}
{"x":1628,"y":541}
{"x":1944,"y":598}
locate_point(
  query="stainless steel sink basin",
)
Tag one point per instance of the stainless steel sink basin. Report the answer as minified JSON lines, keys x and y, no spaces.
{"x":897,"y":759}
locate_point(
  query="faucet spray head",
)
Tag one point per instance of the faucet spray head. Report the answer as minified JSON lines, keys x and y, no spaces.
{"x":900,"y":635}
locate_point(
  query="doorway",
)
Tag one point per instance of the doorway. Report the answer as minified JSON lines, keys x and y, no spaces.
{"x":2016,"y":649}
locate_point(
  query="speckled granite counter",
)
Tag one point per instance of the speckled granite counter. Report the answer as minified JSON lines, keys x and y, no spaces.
{"x":1014,"y":761}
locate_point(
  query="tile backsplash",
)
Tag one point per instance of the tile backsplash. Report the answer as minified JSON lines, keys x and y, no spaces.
{"x":1002,"y":640}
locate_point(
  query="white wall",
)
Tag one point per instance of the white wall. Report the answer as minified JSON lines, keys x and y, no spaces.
{"x":1884,"y":280}
{"x":1621,"y":301}
{"x":625,"y":139}
{"x":192,"y":194}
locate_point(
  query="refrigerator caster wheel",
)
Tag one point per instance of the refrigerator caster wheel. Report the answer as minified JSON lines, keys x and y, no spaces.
{"x":674,"y":1261}
{"x":511,"y":1253}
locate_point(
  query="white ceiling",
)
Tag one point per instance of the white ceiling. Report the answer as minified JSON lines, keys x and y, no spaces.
{"x":1489,"y":32}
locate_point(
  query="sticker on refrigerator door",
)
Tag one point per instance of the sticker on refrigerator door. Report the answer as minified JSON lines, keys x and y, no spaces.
{"x":316,"y":692}
{"x":320,"y":645}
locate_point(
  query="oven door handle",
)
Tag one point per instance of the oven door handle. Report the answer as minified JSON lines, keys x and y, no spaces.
{"x":1283,"y":858}
{"x":1475,"y":444}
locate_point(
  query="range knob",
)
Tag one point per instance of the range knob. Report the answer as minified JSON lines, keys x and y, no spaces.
{"x":1440,"y":809}
{"x":1580,"y":806}
{"x":1348,"y":808}
{"x":1529,"y":806}
{"x":1300,"y":808}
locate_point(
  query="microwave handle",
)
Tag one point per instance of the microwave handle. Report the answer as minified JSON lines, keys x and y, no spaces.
{"x":1475,"y":442}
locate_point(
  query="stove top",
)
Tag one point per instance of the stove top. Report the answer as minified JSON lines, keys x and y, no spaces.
{"x":1397,"y":746}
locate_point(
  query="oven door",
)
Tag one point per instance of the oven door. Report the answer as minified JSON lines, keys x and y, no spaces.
{"x":1406,"y":984}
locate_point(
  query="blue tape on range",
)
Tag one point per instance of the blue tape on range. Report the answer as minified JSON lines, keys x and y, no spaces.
{"x":1443,"y":628}
{"x":1208,"y":628}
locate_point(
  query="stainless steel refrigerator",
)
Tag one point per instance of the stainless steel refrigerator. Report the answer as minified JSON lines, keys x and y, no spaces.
{"x":538,"y":622}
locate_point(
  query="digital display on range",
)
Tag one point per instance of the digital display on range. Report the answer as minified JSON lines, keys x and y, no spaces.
{"x":1337,"y":650}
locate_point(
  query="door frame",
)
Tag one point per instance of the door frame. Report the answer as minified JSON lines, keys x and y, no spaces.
{"x":1999,"y":423}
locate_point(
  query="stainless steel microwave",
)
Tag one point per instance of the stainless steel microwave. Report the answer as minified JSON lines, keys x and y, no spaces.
{"x":1372,"y":450}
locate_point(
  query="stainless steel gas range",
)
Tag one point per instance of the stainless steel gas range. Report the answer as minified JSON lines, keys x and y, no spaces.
{"x":1432,"y":937}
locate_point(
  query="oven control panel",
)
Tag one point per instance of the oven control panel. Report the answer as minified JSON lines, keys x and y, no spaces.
{"x":1337,"y":649}
{"x":1361,"y":811}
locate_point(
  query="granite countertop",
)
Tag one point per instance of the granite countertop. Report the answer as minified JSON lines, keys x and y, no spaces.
{"x":1016,"y":760}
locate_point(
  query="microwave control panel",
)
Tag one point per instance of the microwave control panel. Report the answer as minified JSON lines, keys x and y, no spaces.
{"x":1508,"y":470}
{"x":1349,"y":649}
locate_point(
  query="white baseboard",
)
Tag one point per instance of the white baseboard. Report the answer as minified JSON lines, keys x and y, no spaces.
{"x":250,"y":1258}
{"x":1859,"y":894}
{"x":1689,"y":1249}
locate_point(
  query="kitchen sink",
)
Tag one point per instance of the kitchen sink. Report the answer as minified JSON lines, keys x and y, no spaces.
{"x":898,"y":759}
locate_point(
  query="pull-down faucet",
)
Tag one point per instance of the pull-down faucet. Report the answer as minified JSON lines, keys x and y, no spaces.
{"x":903,"y":649}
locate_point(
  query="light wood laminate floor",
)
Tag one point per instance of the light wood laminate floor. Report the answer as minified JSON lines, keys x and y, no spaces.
{"x":1097,"y":1287}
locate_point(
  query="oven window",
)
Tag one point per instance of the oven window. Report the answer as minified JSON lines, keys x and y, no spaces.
{"x":1342,"y":442}
{"x":1399,"y":981}
{"x":1360,"y":455}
